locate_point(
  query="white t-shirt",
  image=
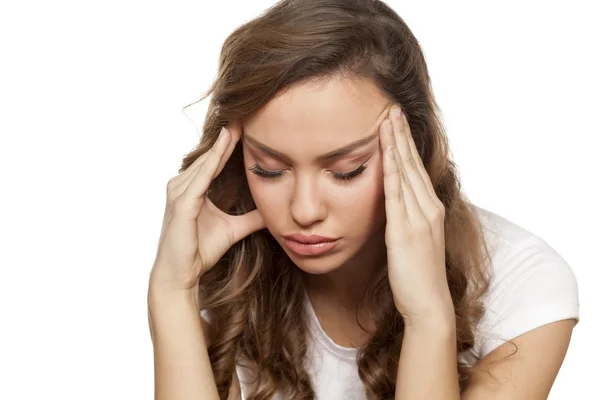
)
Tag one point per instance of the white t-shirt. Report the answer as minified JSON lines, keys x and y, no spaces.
{"x":531,"y":285}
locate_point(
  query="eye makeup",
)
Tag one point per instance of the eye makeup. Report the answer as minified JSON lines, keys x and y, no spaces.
{"x":341,"y":176}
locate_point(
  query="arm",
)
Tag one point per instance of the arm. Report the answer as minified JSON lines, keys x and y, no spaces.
{"x":527,"y":374}
{"x":427,"y":366}
{"x":182,"y":369}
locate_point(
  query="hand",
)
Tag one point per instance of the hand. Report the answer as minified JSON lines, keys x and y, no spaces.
{"x":195,"y":233}
{"x":414,"y":233}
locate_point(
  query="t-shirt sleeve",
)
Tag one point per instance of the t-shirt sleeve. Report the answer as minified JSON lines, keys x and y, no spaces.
{"x":531,"y":286}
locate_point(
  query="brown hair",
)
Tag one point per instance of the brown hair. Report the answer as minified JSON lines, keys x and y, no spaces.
{"x":255,"y":293}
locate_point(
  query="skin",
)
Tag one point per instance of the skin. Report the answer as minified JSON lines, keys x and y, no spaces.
{"x":394,"y":213}
{"x":304,"y":122}
{"x":309,"y":120}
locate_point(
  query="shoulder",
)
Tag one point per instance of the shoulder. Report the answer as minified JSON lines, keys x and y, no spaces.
{"x":531,"y":284}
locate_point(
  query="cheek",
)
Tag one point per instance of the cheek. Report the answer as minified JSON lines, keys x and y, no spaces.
{"x":267,"y":198}
{"x":266,"y":195}
{"x":365,"y":200}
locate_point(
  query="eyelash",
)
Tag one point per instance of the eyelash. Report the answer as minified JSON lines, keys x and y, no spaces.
{"x":341,"y":176}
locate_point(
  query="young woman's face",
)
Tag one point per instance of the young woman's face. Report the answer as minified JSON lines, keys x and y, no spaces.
{"x":298,"y":190}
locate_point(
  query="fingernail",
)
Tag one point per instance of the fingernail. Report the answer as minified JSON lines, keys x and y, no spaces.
{"x":396,"y":112}
{"x":389,"y":152}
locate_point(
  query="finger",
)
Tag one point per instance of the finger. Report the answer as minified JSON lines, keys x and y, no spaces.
{"x":420,"y":166}
{"x":235,"y":135}
{"x":402,"y":190}
{"x":392,"y":187}
{"x":245,"y":224}
{"x":191,"y":172}
{"x":416,"y":217}
{"x":210,"y":167}
{"x":205,"y":174}
{"x":184,"y":176}
{"x":416,"y":183}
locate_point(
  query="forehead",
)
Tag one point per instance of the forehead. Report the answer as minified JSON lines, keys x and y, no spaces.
{"x":312,"y":118}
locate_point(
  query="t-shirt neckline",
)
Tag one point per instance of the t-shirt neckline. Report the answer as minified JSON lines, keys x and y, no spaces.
{"x":317,"y":330}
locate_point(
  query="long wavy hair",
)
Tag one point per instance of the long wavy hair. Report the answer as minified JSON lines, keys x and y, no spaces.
{"x":255,"y":293}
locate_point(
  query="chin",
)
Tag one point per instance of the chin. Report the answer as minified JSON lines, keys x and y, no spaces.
{"x":318,"y":265}
{"x":315,"y":268}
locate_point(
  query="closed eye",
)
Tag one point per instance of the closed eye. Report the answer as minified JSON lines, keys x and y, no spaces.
{"x":344,"y":176}
{"x":341,"y":176}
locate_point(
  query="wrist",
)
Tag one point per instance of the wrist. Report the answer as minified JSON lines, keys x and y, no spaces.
{"x":161,"y":276}
{"x":439,"y":316}
{"x":162,"y":296}
{"x":441,"y":323}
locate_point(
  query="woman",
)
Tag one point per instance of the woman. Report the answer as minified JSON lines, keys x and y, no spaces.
{"x":324,"y":239}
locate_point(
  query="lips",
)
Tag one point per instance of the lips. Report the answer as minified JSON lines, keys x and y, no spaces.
{"x":320,"y":246}
{"x":309,"y":239}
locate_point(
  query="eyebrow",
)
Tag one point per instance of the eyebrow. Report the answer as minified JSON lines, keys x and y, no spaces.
{"x":324,"y":157}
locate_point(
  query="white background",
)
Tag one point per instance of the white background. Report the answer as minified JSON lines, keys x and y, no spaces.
{"x":91,"y":129}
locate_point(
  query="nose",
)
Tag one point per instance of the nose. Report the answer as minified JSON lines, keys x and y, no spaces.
{"x":307,"y":205}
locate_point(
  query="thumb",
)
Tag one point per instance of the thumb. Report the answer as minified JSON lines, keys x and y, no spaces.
{"x":245,"y":224}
